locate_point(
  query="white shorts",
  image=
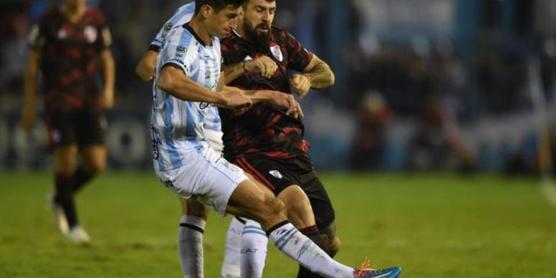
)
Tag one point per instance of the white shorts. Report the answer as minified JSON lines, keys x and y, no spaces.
{"x":214,"y":137}
{"x":206,"y":177}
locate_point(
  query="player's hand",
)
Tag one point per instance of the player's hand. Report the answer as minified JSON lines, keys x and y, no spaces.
{"x":285,"y":101}
{"x":235,"y":98}
{"x":28,"y":117}
{"x":107,"y":99}
{"x":301,"y":84}
{"x":263,"y":65}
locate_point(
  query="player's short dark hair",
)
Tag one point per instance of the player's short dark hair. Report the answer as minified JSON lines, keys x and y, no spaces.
{"x":217,"y":5}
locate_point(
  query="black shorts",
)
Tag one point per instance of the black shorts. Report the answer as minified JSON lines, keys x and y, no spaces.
{"x":279,"y":174}
{"x":82,"y":128}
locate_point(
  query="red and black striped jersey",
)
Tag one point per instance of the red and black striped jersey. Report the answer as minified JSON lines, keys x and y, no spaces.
{"x":69,"y":54}
{"x":264,"y":129}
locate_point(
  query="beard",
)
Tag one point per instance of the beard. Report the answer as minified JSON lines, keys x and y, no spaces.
{"x":256,"y":35}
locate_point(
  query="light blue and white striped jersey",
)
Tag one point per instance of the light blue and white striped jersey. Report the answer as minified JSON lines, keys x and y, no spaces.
{"x":180,"y":17}
{"x":179,"y":126}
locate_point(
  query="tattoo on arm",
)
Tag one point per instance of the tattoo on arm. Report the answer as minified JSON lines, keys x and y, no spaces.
{"x":320,"y":74}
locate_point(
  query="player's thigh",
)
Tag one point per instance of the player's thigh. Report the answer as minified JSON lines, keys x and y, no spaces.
{"x":253,"y":200}
{"x":298,"y":207}
{"x":205,"y":176}
{"x":94,"y":157}
{"x":65,"y":159}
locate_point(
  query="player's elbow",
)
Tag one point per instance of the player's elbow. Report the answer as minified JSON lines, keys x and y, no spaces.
{"x":165,"y":82}
{"x":144,"y":71}
{"x":331,"y":78}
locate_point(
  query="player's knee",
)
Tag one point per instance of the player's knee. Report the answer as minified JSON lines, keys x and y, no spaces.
{"x":272,"y":208}
{"x":195,"y":208}
{"x":96,"y":167}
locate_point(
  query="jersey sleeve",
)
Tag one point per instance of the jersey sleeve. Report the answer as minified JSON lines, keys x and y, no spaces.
{"x":177,"y":54}
{"x":298,"y":56}
{"x":182,"y":16}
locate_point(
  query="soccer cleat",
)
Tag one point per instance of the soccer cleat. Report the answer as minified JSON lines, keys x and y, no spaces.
{"x":366,"y":272}
{"x":78,"y":235}
{"x":59,"y":216}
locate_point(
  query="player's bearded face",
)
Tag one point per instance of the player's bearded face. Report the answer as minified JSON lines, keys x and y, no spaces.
{"x":259,"y":33}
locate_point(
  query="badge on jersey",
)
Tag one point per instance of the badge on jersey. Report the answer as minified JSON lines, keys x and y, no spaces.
{"x":277,"y":52}
{"x":276,"y":174}
{"x":90,"y":33}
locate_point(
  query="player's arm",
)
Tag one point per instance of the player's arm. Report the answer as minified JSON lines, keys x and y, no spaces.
{"x":263,"y":65}
{"x":317,"y":75}
{"x":29,"y":111}
{"x":109,"y":77}
{"x":173,"y":80}
{"x":146,"y":66}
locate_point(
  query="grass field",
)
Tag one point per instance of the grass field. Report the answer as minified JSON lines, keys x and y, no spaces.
{"x":431,"y":225}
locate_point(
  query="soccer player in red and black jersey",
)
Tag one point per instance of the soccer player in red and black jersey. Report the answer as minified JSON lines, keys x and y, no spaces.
{"x":65,"y":46}
{"x":263,"y":140}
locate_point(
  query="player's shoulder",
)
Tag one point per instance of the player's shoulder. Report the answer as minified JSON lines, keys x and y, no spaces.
{"x":279,"y":32}
{"x":94,"y":14}
{"x":180,"y":39}
{"x":51,"y":13}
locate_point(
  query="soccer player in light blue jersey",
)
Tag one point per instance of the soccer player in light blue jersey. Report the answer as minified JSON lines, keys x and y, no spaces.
{"x":194,"y":214}
{"x":187,"y":81}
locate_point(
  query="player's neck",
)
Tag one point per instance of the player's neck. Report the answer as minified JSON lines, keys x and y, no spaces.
{"x":240,"y":30}
{"x":73,"y":13}
{"x":201,"y":32}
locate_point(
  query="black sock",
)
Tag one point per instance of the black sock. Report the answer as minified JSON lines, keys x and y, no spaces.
{"x":64,"y":198}
{"x":80,"y":178}
{"x":313,"y":234}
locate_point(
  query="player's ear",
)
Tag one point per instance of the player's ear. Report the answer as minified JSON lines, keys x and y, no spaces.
{"x":206,"y":11}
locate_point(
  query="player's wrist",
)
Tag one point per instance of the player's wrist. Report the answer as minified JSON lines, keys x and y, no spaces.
{"x":244,"y":67}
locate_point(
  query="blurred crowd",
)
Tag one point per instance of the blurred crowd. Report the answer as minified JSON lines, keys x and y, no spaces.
{"x":432,"y":85}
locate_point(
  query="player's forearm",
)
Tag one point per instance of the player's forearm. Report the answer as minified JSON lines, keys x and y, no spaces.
{"x":146,"y":66}
{"x":232,"y":72}
{"x":259,"y":95}
{"x":174,"y":81}
{"x":30,"y":78}
{"x":321,"y":76}
{"x":109,"y":70}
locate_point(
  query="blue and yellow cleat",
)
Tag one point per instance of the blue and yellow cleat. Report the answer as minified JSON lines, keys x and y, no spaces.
{"x":366,"y":272}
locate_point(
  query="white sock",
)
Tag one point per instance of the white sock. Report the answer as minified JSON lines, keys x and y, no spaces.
{"x":300,"y":248}
{"x":231,"y":264}
{"x":253,"y":250}
{"x":190,"y":246}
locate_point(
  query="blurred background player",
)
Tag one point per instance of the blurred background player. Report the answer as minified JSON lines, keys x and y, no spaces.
{"x":263,"y":140}
{"x":66,"y":45}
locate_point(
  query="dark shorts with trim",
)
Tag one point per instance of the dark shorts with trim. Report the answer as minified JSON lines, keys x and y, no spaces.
{"x":82,"y":128}
{"x":279,"y":174}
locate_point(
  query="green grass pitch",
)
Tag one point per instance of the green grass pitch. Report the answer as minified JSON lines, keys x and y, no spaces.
{"x":431,"y":225}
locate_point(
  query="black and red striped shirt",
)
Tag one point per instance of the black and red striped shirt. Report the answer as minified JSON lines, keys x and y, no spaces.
{"x":263,"y":129}
{"x":69,"y":58}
